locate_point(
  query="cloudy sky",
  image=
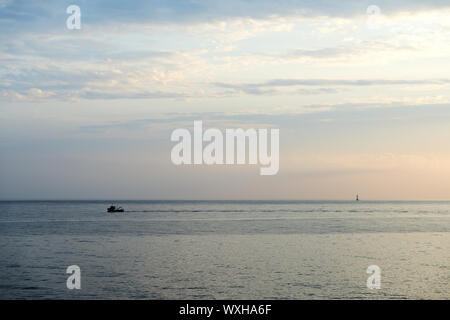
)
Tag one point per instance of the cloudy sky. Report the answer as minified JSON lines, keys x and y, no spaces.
{"x":358,"y":89}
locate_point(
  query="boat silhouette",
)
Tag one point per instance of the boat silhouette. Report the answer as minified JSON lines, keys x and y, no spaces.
{"x":115,"y":209}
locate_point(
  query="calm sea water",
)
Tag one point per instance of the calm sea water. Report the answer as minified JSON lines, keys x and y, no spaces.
{"x":225,"y":250}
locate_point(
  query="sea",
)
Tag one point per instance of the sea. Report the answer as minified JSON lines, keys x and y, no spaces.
{"x":225,"y":249}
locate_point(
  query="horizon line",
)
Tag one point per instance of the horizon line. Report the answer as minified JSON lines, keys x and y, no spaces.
{"x":217,"y":200}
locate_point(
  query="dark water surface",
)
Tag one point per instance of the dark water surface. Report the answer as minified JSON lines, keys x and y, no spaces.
{"x":225,"y":249}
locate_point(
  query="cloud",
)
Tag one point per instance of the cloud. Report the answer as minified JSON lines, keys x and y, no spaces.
{"x":92,"y":85}
{"x":271,"y":90}
{"x":214,"y":119}
{"x":22,"y":14}
{"x":168,"y":49}
{"x":277,"y":116}
{"x":36,"y":95}
{"x":94,"y":74}
{"x":272,"y":86}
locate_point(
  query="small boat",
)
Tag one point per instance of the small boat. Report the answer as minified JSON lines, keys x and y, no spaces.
{"x":115,"y":209}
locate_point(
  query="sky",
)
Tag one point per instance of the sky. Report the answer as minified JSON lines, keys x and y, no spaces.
{"x":358,"y":89}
